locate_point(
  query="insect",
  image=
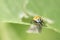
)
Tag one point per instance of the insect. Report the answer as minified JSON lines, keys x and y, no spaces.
{"x":37,"y":23}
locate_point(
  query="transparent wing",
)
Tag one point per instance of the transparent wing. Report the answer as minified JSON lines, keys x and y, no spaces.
{"x":49,"y":21}
{"x":33,"y":29}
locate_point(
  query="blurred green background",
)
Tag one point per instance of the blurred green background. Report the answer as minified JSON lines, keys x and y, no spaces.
{"x":11,"y":28}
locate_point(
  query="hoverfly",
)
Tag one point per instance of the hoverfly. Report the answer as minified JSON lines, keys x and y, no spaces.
{"x":37,"y":23}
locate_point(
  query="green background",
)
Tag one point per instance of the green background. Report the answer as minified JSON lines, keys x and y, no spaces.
{"x":11,"y":28}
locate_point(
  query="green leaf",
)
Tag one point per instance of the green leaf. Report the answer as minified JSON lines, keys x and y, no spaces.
{"x":14,"y":31}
